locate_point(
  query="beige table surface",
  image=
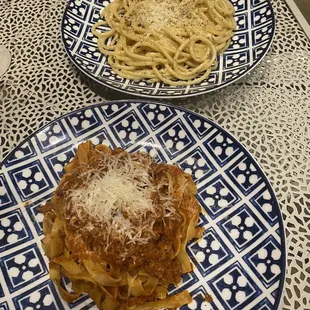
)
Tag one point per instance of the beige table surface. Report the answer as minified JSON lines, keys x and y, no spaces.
{"x":268,"y":111}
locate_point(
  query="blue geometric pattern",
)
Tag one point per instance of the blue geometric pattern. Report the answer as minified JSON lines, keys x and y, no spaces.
{"x":275,"y":293}
{"x":242,"y":227}
{"x":240,"y":5}
{"x":175,"y":138}
{"x":71,"y":40}
{"x":199,"y":126}
{"x":1,"y":293}
{"x":261,"y":49}
{"x":72,"y":27}
{"x":222,"y":148}
{"x":265,"y":202}
{"x":265,"y":304}
{"x":210,"y":252}
{"x":231,"y":61}
{"x":234,"y":287}
{"x":35,"y":216}
{"x":88,"y":51}
{"x":82,"y":303}
{"x":217,"y":196}
{"x":30,"y":180}
{"x":7,"y":199}
{"x":128,"y":129}
{"x":100,"y":137}
{"x":197,"y":164}
{"x":14,"y":230}
{"x":156,"y":115}
{"x":242,"y":22}
{"x":43,"y":297}
{"x":79,"y":10}
{"x":110,"y":111}
{"x":255,"y":26}
{"x":52,"y":136}
{"x":83,"y":121}
{"x":262,"y":16}
{"x":23,"y":267}
{"x":260,"y":35}
{"x":21,"y":153}
{"x":149,"y":146}
{"x":56,"y":161}
{"x":199,"y":300}
{"x":265,"y":261}
{"x":4,"y":305}
{"x":239,"y":262}
{"x":245,"y":174}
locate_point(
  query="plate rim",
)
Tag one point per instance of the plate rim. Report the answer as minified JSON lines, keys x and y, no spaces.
{"x":199,"y":93}
{"x":278,"y":299}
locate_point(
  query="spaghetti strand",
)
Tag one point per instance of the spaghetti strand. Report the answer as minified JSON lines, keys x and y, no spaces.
{"x":170,"y":41}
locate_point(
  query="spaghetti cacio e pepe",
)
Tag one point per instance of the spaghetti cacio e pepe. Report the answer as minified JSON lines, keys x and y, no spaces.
{"x":173,"y":41}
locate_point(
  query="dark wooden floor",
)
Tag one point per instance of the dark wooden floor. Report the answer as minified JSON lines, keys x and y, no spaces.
{"x":304,"y":7}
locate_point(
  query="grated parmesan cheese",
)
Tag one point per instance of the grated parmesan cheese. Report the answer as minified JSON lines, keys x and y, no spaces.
{"x":157,"y":14}
{"x":119,"y":197}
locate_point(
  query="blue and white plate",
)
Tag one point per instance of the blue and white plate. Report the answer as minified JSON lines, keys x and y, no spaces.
{"x":240,"y":262}
{"x":252,"y":40}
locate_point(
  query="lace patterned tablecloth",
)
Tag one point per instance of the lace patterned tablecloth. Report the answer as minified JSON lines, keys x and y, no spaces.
{"x":268,"y":111}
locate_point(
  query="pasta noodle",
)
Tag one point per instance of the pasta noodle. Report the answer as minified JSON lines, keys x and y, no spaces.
{"x":173,"y":41}
{"x":117,"y":227}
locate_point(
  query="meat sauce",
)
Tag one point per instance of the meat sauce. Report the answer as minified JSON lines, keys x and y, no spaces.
{"x":156,"y":257}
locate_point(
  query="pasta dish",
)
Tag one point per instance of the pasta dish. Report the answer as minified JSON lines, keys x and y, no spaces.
{"x":172,"y":41}
{"x":117,"y":228}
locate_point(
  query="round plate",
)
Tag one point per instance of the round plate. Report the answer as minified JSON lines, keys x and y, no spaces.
{"x":252,"y":40}
{"x":5,"y":59}
{"x":240,"y":262}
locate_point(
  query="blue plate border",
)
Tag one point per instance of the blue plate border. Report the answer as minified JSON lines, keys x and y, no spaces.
{"x":280,"y":290}
{"x":170,"y":96}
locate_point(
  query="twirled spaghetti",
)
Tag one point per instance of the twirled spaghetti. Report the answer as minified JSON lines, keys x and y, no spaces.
{"x":117,"y":227}
{"x":173,"y":41}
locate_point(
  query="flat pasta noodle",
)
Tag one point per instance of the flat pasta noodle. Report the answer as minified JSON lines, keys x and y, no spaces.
{"x":172,"y":41}
{"x":121,"y":270}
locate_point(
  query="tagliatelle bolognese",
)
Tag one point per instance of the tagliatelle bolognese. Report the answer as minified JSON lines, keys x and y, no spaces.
{"x":117,"y":227}
{"x":173,"y":41}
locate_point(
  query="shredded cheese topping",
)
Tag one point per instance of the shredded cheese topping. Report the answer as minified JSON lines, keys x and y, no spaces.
{"x":158,"y":14}
{"x":119,"y":197}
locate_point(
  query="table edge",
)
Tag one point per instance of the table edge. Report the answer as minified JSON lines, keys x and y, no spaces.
{"x":299,"y":17}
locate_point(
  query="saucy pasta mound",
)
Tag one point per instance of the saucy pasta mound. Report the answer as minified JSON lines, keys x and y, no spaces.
{"x":170,"y":41}
{"x":117,"y":228}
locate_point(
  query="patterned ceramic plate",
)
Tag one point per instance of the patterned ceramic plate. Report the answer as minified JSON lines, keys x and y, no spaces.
{"x":240,"y":261}
{"x":252,"y":40}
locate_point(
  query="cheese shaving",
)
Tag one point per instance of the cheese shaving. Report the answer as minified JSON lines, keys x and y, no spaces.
{"x":119,"y":197}
{"x":158,"y":14}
